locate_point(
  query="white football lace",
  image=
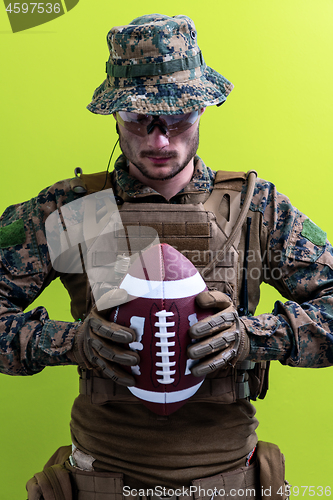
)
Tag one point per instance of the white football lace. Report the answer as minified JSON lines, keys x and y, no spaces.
{"x":164,"y":344}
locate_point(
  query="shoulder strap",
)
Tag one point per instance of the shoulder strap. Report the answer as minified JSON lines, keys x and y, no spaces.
{"x":223,"y":176}
{"x":91,"y":183}
{"x":224,"y":200}
{"x":236,"y":220}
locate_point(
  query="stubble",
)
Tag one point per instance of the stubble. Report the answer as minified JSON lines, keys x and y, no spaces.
{"x":153,"y":173}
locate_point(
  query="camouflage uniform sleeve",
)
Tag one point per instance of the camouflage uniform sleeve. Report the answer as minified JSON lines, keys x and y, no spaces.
{"x":29,"y":341}
{"x":298,"y":262}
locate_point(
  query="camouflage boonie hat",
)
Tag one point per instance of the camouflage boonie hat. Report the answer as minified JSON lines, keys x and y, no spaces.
{"x":156,"y":67}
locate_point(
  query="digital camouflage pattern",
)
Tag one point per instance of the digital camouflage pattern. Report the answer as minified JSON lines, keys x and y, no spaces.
{"x":298,"y":332}
{"x":156,"y":67}
{"x":29,"y":341}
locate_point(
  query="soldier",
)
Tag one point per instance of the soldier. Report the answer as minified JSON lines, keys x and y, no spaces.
{"x":243,"y":233}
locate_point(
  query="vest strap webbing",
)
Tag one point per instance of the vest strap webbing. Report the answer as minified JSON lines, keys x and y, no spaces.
{"x":102,"y":389}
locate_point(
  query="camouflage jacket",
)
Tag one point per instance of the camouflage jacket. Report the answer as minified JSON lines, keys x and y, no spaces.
{"x":298,"y":332}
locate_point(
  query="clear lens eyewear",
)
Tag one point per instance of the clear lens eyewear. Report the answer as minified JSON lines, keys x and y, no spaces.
{"x":169,"y":125}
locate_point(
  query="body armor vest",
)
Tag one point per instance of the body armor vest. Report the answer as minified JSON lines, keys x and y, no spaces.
{"x":199,"y":231}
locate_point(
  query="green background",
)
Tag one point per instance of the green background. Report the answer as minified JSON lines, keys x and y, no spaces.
{"x":277,"y":120}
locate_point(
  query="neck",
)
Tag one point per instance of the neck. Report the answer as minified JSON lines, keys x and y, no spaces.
{"x":166,"y":187}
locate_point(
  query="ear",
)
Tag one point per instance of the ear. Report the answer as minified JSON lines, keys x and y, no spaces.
{"x":202,"y":110}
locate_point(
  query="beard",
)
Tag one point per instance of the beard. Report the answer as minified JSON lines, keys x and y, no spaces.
{"x":153,"y":172}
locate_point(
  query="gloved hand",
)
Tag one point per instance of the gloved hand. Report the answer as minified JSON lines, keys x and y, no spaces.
{"x":223,"y":333}
{"x":99,"y":343}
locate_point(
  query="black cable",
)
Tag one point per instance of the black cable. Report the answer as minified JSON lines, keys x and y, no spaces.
{"x":244,"y":296}
{"x":107,"y":170}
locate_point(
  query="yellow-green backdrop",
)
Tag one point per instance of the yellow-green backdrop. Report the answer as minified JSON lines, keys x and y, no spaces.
{"x":278,"y":120}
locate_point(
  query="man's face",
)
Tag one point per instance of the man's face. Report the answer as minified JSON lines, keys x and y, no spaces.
{"x":158,"y":156}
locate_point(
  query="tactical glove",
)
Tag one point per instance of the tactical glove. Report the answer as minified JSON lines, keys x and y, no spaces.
{"x":225,"y":339}
{"x":99,"y":344}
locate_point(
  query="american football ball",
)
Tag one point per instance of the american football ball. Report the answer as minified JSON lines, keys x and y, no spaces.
{"x":162,"y":285}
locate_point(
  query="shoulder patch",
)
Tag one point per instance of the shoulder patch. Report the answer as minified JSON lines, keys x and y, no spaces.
{"x":313,"y":233}
{"x":13,"y":234}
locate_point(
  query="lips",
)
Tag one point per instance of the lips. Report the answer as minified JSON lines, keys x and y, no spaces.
{"x":158,"y":157}
{"x":159,"y":160}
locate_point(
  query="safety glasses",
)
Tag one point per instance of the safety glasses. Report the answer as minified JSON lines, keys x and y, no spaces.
{"x":170,"y":125}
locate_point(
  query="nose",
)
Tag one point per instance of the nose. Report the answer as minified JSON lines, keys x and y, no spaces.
{"x":156,"y":139}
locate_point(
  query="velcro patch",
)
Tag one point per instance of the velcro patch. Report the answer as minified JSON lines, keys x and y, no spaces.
{"x":13,"y":234}
{"x":313,"y":233}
